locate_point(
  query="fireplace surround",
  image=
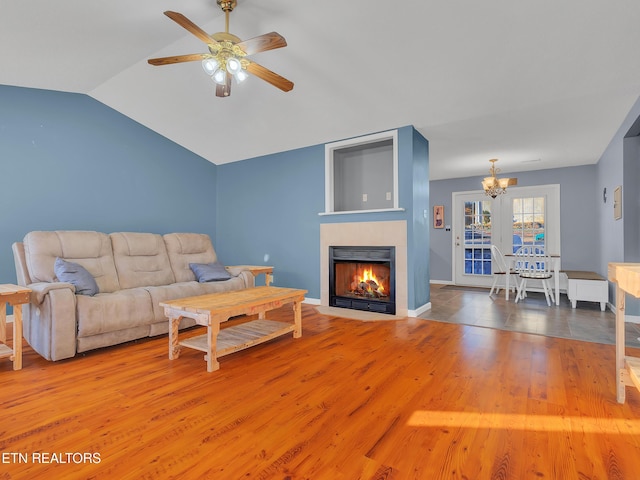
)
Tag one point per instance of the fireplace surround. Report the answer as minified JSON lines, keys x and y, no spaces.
{"x":363,"y":278}
{"x":377,"y":233}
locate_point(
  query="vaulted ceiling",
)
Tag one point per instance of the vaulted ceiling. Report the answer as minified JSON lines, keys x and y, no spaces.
{"x":537,"y":84}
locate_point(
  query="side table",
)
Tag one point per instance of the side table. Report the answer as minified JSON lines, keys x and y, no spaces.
{"x":15,"y":296}
{"x":257,"y":270}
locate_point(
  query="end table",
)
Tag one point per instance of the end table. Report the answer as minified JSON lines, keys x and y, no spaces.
{"x":257,"y":270}
{"x":15,"y":296}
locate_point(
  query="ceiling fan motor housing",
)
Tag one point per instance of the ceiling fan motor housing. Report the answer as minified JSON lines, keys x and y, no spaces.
{"x":227,"y":5}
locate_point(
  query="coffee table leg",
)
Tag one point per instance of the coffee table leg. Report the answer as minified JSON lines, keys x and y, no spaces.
{"x":212,"y":361}
{"x":174,"y":348}
{"x":297,"y":316}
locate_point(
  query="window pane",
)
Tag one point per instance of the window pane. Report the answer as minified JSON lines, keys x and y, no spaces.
{"x":528,"y":222}
{"x":477,"y":234}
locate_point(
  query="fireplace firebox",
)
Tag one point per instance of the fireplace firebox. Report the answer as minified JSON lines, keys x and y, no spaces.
{"x":363,"y":278}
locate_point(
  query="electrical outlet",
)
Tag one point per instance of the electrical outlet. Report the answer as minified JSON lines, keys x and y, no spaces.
{"x":388,"y":195}
{"x":364,"y":197}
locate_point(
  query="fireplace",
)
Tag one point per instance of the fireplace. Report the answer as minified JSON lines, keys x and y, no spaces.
{"x":363,"y":278}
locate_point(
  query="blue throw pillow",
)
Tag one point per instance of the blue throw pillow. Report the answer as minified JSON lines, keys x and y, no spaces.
{"x":209,"y":272}
{"x":77,"y":275}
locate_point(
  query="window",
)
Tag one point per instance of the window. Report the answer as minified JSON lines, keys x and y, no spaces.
{"x":528,"y":221}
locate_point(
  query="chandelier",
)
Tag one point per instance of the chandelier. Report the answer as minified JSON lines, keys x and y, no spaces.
{"x":496,"y":186}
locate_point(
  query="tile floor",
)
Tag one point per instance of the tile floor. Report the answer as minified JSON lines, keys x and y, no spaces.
{"x":474,"y":306}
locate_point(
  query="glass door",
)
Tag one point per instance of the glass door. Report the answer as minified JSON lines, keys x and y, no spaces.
{"x":473,"y":237}
{"x":522,"y":216}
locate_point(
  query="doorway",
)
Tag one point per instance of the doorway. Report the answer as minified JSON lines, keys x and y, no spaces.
{"x":521,"y":216}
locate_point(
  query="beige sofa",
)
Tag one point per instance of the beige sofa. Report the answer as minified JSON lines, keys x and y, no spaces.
{"x":134,"y":273}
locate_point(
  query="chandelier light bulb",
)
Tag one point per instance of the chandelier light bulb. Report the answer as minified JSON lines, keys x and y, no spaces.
{"x":233,"y":65}
{"x":220,"y":77}
{"x":210,"y":65}
{"x":241,"y":76}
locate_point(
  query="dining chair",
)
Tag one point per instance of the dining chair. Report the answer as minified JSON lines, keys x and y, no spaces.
{"x":532,"y":263}
{"x":499,"y":270}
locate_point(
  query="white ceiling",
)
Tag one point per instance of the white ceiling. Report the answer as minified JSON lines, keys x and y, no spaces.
{"x":535,"y":83}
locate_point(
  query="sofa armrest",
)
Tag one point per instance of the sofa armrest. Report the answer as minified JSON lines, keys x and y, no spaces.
{"x":234,"y":271}
{"x":49,"y":320}
{"x":254,"y":271}
{"x":41,"y":289}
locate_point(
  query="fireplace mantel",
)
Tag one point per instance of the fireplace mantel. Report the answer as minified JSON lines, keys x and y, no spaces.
{"x":389,"y":233}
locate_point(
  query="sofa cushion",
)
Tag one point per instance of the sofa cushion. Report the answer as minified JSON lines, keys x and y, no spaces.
{"x":141,"y":260}
{"x":110,"y":312}
{"x":77,"y":275}
{"x":186,"y":248}
{"x":92,"y":250}
{"x":209,"y":272}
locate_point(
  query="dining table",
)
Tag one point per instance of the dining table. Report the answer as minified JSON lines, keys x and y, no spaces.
{"x":511,"y":258}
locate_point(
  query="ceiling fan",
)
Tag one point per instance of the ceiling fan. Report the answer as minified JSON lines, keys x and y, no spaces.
{"x":227,"y":55}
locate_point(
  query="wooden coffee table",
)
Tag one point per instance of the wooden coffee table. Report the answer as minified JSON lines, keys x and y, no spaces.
{"x":213,"y":309}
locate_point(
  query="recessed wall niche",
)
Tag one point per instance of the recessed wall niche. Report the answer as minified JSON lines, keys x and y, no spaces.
{"x":362,"y":174}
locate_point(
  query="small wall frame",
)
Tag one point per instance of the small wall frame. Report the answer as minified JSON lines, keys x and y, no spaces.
{"x":617,"y":202}
{"x":438,"y":216}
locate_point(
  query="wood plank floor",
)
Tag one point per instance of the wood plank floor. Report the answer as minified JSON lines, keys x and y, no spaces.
{"x":401,"y":399}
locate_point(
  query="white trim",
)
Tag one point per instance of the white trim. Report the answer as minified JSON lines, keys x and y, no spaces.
{"x":441,"y":282}
{"x":353,"y":142}
{"x":632,"y":319}
{"x":363,"y":211}
{"x":420,"y":310}
{"x":311,"y":301}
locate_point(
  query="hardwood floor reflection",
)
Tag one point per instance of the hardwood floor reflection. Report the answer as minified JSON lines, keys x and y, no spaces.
{"x":474,"y":306}
{"x":400,"y":399}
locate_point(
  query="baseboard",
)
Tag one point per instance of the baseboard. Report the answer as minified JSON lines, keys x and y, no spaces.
{"x":9,"y":318}
{"x":420,"y":310}
{"x":311,"y":301}
{"x":632,"y":319}
{"x":442,"y":282}
{"x":627,"y":318}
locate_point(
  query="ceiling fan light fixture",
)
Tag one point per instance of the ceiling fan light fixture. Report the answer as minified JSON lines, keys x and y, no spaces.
{"x":220,"y":77}
{"x":210,"y":65}
{"x":241,"y":76}
{"x":233,"y":65}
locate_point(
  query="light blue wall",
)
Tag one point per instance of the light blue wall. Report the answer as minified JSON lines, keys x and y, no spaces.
{"x":268,"y":213}
{"x":611,"y":173}
{"x":419,"y":239}
{"x":70,"y":162}
{"x":579,"y":230}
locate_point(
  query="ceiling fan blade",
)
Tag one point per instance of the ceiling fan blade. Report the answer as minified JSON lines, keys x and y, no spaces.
{"x":192,"y":57}
{"x":184,"y":22}
{"x":224,"y":90}
{"x":268,"y":41}
{"x":270,"y":77}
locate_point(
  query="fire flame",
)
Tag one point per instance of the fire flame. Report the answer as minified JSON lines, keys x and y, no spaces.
{"x":368,"y":274}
